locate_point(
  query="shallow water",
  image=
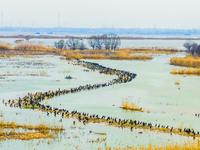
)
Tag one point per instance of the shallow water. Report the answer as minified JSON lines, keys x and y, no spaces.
{"x":153,"y":89}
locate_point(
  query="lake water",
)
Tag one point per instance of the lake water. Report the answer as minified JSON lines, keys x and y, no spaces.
{"x":153,"y":89}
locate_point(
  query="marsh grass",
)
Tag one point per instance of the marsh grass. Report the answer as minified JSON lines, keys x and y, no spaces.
{"x":152,"y":50}
{"x":192,"y":145}
{"x":24,"y":135}
{"x":40,"y":131}
{"x":120,"y":56}
{"x":130,"y":106}
{"x":188,"y":71}
{"x":36,"y":47}
{"x":30,"y":127}
{"x":188,"y":61}
{"x":124,"y":55}
{"x":5,"y":46}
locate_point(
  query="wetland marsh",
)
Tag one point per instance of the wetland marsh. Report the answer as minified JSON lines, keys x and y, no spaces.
{"x":153,"y":90}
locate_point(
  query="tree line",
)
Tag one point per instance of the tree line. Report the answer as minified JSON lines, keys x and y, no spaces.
{"x":106,"y":41}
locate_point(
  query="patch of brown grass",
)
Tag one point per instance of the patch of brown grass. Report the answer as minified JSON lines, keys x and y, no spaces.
{"x":40,"y":131}
{"x":188,"y":61}
{"x":24,"y":135}
{"x":35,"y":47}
{"x":192,"y":145}
{"x":30,"y":127}
{"x":153,"y":50}
{"x":5,"y":46}
{"x":124,"y":55}
{"x":130,"y":106}
{"x":189,"y":71}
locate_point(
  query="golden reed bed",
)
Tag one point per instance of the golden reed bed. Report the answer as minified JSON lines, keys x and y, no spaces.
{"x":189,"y":71}
{"x":145,"y":50}
{"x":40,"y":131}
{"x":188,"y":61}
{"x":193,"y":145}
{"x":119,"y":56}
{"x":130,"y":106}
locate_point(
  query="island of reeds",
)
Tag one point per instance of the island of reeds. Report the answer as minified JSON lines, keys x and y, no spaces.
{"x":40,"y":131}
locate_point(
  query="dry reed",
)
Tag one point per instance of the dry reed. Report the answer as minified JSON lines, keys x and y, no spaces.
{"x":130,"y":106}
{"x":126,"y":56}
{"x":120,"y":56}
{"x":194,"y":145}
{"x":40,"y":131}
{"x":152,"y":50}
{"x":189,"y":71}
{"x":30,"y":127}
{"x":5,"y":46}
{"x":24,"y":135}
{"x":188,"y":61}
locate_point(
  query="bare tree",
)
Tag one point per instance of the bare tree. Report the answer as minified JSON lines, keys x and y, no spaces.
{"x":100,"y":42}
{"x":193,"y":48}
{"x":81,"y":45}
{"x":60,"y":44}
{"x":106,"y":41}
{"x":73,"y":43}
{"x":115,"y":41}
{"x":188,"y":45}
{"x":92,"y":41}
{"x":111,"y":41}
{"x":96,"y":42}
{"x":198,"y":50}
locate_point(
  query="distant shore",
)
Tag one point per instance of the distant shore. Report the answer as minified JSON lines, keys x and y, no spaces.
{"x":87,"y":37}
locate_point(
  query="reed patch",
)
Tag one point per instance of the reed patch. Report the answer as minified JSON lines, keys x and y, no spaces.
{"x":188,"y":71}
{"x":39,"y":131}
{"x":188,"y":61}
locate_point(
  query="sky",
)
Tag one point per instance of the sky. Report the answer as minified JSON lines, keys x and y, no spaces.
{"x":172,"y":14}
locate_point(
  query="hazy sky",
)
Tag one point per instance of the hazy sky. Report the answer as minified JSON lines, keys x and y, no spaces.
{"x":183,"y":14}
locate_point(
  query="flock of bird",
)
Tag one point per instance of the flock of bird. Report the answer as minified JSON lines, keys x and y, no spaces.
{"x":33,"y":101}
